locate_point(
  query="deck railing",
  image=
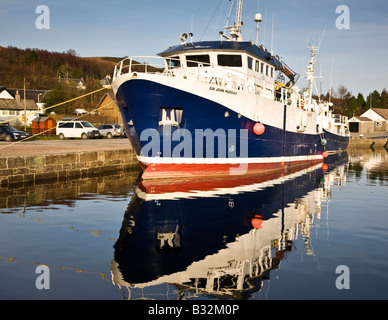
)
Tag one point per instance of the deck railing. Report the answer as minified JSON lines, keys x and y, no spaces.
{"x":225,"y":77}
{"x":204,"y":72}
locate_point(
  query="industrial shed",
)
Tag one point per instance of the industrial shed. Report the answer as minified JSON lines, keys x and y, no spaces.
{"x":43,"y":125}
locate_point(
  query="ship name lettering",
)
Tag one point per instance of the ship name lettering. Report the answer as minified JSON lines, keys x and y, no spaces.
{"x":222,"y":90}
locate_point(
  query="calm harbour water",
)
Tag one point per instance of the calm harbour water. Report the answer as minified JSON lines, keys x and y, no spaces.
{"x":277,"y":237}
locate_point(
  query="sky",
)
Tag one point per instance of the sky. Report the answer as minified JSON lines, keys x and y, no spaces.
{"x":352,"y":55}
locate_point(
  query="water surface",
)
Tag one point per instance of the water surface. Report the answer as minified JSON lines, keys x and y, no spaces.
{"x":280,"y":236}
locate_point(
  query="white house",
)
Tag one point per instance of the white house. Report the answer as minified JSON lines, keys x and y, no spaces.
{"x":80,"y":84}
{"x":13,"y":108}
{"x":376,"y":114}
{"x":5,"y":93}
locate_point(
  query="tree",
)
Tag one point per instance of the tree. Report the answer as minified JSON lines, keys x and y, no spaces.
{"x":361,"y":104}
{"x":342,"y":92}
{"x":384,"y":98}
{"x":352,"y":107}
{"x":373,"y":100}
{"x":56,"y":96}
{"x":341,"y":99}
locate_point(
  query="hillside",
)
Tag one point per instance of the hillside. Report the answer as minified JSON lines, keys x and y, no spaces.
{"x":41,"y":68}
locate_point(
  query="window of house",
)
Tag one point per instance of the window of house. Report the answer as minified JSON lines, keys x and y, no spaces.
{"x":262,"y":68}
{"x":195,"y":60}
{"x":229,"y":60}
{"x":379,"y":124}
{"x":257,"y":68}
{"x":266,"y":69}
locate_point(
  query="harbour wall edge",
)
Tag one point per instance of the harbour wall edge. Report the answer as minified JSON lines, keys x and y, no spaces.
{"x":16,"y":170}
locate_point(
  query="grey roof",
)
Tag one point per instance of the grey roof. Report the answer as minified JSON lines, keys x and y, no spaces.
{"x":32,"y":94}
{"x":13,"y":104}
{"x":40,"y":119}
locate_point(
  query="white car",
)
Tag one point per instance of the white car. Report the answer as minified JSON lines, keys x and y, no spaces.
{"x":76,"y":129}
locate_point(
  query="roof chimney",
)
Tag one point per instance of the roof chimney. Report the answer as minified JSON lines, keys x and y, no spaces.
{"x":17,"y":95}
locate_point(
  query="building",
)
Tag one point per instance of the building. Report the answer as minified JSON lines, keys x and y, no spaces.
{"x":79,"y":84}
{"x":106,"y":82}
{"x":361,"y":125}
{"x":13,"y":108}
{"x":31,"y":94}
{"x":107,"y":107}
{"x":44,"y":126}
{"x":5,"y":93}
{"x":374,"y":120}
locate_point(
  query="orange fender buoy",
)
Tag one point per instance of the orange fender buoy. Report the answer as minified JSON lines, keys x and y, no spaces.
{"x":258,"y":128}
{"x":257,"y":222}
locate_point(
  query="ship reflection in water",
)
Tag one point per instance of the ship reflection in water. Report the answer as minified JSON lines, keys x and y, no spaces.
{"x":219,"y":237}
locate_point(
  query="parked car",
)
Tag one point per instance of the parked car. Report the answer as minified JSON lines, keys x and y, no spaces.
{"x":76,"y":129}
{"x":9,"y":133}
{"x":111,"y":130}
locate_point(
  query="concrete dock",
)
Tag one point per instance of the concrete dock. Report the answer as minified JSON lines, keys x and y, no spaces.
{"x":369,"y":140}
{"x":57,"y":160}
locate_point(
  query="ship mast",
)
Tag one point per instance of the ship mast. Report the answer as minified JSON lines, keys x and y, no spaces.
{"x":310,"y":73}
{"x":235,"y":30}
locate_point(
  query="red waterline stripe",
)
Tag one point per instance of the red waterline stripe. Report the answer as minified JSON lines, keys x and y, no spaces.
{"x":185,"y":170}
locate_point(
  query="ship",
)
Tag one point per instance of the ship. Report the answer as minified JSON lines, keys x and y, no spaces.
{"x":225,"y":107}
{"x":219,"y":237}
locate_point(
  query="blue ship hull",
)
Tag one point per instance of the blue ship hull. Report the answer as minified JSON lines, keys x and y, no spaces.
{"x":140,"y":103}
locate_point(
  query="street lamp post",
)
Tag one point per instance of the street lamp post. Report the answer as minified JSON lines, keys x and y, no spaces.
{"x":25,"y":107}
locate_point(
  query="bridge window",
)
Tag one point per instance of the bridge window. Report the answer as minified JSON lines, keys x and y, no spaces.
{"x":195,"y":60}
{"x":250,"y":63}
{"x":173,"y":62}
{"x":229,"y":60}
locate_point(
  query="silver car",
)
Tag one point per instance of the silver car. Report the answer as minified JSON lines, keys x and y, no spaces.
{"x":110,"y":130}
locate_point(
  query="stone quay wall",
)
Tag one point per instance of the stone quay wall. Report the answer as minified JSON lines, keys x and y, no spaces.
{"x":58,"y":167}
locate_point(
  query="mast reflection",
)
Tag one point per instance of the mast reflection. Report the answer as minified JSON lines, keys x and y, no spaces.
{"x":219,"y":237}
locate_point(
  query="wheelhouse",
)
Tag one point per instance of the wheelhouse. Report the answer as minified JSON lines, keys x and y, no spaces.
{"x":243,"y":57}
